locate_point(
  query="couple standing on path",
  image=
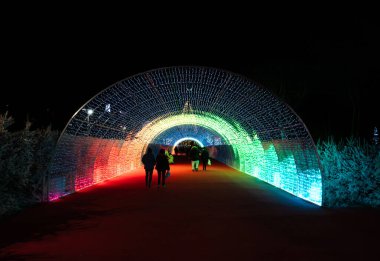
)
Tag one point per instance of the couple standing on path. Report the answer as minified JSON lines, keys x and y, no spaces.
{"x":162,"y":166}
{"x":194,"y":157}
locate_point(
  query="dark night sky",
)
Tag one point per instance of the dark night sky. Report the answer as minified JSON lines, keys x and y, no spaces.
{"x":325,"y":68}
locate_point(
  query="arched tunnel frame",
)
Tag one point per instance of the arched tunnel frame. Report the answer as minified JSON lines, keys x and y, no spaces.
{"x":260,"y":135}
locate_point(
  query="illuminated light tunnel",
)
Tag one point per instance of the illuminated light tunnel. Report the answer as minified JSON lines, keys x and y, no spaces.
{"x":241,"y":123}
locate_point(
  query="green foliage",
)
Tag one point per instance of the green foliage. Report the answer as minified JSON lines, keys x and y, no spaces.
{"x":24,"y":159}
{"x":5,"y":122}
{"x":351,"y":173}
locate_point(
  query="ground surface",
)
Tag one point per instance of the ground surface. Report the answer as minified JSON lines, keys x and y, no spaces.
{"x":220,"y":214}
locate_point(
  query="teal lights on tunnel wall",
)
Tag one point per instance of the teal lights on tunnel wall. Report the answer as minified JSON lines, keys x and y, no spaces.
{"x":249,"y":153}
{"x":245,"y":125}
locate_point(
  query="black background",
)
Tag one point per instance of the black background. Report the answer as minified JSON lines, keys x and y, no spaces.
{"x":325,"y":66}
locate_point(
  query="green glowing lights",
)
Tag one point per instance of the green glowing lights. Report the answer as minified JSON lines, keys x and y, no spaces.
{"x":258,"y":134}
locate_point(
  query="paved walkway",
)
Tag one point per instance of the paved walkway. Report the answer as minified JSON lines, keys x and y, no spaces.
{"x":220,"y":214}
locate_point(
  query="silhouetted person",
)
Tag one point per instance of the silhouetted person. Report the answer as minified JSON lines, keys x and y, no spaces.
{"x":162,"y":165}
{"x":204,"y":157}
{"x":194,"y":157}
{"x":176,"y":150}
{"x":149,"y":162}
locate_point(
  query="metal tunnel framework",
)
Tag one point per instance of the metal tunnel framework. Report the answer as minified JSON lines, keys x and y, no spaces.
{"x":241,"y":123}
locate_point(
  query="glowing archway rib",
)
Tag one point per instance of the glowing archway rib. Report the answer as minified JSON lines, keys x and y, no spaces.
{"x":242,"y":143}
{"x":186,"y":138}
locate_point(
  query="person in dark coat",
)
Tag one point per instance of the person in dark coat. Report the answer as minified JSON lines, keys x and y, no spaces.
{"x":204,"y":157}
{"x":149,"y":161}
{"x":162,"y":165}
{"x":194,"y":157}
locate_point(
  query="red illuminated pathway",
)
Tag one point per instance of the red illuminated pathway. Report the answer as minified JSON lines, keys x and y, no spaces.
{"x":220,"y":214}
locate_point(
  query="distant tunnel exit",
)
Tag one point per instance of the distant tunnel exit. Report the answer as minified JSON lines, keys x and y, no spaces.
{"x":243,"y":124}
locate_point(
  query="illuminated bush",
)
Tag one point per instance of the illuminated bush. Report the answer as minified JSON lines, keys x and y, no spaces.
{"x":351,"y":173}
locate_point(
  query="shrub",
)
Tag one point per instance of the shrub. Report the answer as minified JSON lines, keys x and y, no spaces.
{"x":24,"y":159}
{"x":351,"y":173}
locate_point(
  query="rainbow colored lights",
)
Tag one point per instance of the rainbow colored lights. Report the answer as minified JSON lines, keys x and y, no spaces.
{"x":243,"y":125}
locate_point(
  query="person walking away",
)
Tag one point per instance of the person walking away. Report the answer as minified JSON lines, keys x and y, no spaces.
{"x":149,"y":161}
{"x":204,"y":157}
{"x":194,"y":157}
{"x":162,"y":165}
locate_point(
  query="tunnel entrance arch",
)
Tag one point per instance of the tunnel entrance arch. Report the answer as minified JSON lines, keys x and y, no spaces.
{"x":258,"y":134}
{"x":178,"y":142}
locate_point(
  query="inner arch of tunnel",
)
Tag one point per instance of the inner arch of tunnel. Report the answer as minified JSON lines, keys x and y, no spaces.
{"x":258,"y":134}
{"x":197,"y":142}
